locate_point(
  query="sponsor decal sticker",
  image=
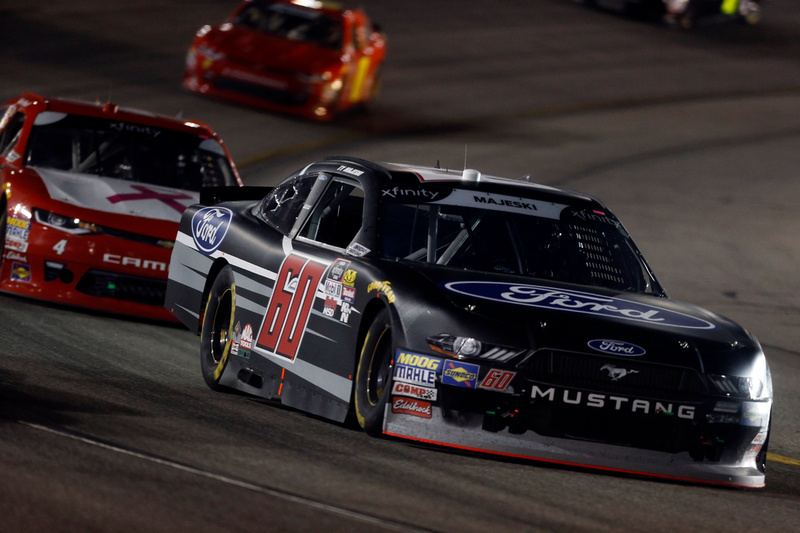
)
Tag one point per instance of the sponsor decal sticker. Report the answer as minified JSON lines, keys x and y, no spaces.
{"x":329,"y":309}
{"x":418,"y":360}
{"x":755,"y":414}
{"x":338,"y":269}
{"x":382,"y":287}
{"x":357,"y":250}
{"x":616,"y":347}
{"x":20,"y":272}
{"x":17,"y":256}
{"x":414,"y":391}
{"x":17,"y":246}
{"x":572,"y":301}
{"x":209,"y":226}
{"x":349,"y":278}
{"x":348,"y":294}
{"x":412,"y":406}
{"x":17,"y":229}
{"x":460,"y":374}
{"x":15,"y":222}
{"x":414,"y":375}
{"x":345,"y":315}
{"x":333,"y":289}
{"x":246,"y":341}
{"x":236,"y":337}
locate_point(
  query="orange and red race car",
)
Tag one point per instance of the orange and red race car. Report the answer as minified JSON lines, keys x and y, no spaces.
{"x":303,"y":57}
{"x":91,"y":199}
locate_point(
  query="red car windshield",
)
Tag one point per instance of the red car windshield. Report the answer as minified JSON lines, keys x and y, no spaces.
{"x":293,"y":23}
{"x":127,"y":150}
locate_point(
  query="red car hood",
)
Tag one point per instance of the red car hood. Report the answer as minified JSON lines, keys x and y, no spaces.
{"x":117,"y":196}
{"x":246,"y":46}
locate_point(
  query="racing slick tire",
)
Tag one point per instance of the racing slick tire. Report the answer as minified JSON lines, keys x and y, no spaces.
{"x":374,"y":375}
{"x":3,"y":223}
{"x":216,"y":336}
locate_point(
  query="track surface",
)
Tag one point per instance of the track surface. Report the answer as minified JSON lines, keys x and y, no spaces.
{"x":106,"y":424}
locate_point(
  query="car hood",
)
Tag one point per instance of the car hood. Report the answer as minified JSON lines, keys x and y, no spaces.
{"x":242,"y":45}
{"x":117,"y":196}
{"x":543,"y":314}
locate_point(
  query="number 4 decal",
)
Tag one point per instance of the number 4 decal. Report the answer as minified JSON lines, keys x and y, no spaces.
{"x":290,"y":306}
{"x":60,"y":246}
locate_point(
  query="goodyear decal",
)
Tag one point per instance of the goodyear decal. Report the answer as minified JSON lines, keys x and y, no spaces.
{"x":382,"y":287}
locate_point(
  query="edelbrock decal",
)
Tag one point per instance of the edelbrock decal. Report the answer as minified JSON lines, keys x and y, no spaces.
{"x":616,"y":347}
{"x":209,"y":226}
{"x":575,"y":302}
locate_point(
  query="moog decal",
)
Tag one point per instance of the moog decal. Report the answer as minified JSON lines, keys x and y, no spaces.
{"x":575,"y":302}
{"x":209,"y":226}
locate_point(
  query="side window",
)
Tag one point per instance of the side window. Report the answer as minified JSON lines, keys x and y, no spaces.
{"x":10,"y":128}
{"x":281,"y":207}
{"x":337,"y":217}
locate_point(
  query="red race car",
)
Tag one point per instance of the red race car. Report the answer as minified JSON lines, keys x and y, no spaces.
{"x":92,"y":196}
{"x":303,"y":57}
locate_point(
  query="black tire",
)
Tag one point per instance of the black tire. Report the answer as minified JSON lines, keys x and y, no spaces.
{"x":216,"y":336}
{"x":3,"y":224}
{"x":374,"y":375}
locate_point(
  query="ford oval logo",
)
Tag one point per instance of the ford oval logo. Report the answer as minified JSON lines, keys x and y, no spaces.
{"x":573,"y":301}
{"x":616,"y":347}
{"x":209,"y":226}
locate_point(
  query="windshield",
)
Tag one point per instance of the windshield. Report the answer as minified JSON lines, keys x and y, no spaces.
{"x":293,"y":23}
{"x":129,"y":151}
{"x":515,"y":236}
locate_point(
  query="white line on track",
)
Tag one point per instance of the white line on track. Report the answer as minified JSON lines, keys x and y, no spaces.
{"x":368,"y":519}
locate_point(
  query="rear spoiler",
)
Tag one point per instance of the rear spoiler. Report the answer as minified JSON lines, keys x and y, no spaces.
{"x":215,"y":195}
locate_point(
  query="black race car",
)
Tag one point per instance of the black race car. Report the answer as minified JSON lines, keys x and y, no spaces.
{"x":470,"y":311}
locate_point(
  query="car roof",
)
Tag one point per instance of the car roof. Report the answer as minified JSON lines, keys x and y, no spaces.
{"x":397,"y":174}
{"x":39,"y":103}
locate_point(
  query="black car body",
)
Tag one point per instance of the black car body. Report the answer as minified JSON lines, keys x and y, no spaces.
{"x":471,"y":311}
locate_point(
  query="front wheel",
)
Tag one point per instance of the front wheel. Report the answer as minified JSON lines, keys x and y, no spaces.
{"x":374,"y":375}
{"x":3,"y":224}
{"x":216,"y":337}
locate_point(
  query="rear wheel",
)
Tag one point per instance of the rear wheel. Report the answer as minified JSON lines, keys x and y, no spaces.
{"x":374,"y":375}
{"x":216,"y":337}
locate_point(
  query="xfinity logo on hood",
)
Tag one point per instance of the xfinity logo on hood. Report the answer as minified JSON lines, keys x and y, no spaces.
{"x":575,"y":302}
{"x":209,"y":226}
{"x":616,"y":347}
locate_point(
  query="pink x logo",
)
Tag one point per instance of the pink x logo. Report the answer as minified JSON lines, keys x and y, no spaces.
{"x":149,"y":194}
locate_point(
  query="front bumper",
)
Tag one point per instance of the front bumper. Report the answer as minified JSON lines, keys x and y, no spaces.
{"x":685,"y":437}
